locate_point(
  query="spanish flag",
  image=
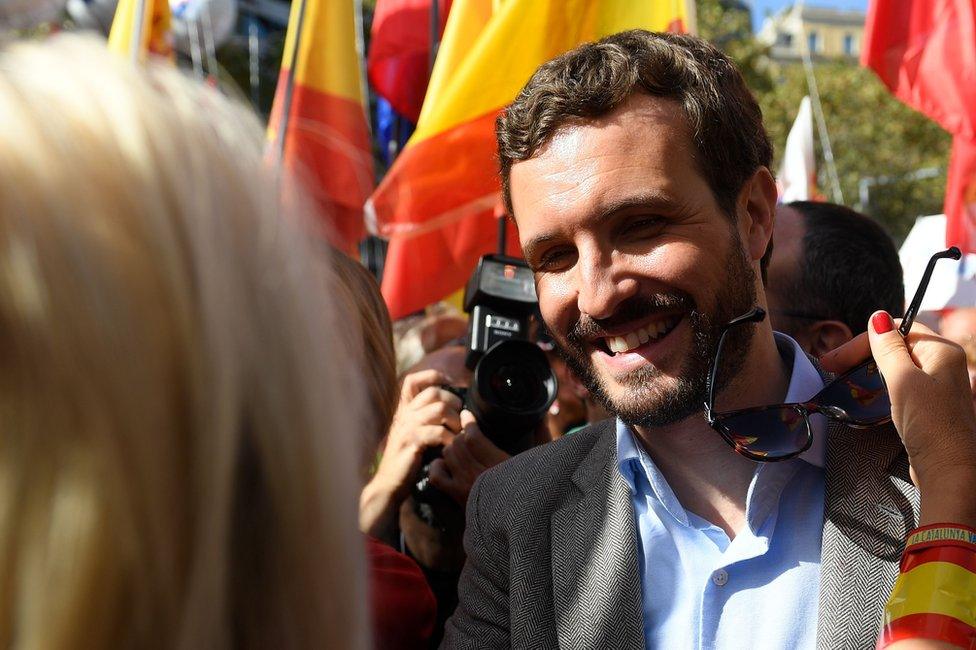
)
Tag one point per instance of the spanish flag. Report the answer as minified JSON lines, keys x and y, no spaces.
{"x":318,"y":120}
{"x":439,"y":202}
{"x":150,"y":19}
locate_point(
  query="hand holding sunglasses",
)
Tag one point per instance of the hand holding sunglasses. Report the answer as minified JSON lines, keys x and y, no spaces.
{"x":858,"y":398}
{"x":932,"y":409}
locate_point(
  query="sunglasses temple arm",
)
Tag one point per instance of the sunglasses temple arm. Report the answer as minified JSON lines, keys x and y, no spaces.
{"x":912,"y":311}
{"x":754,"y":315}
{"x":710,"y":404}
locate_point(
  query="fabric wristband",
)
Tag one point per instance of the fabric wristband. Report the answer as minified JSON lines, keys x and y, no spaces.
{"x":941,"y":535}
{"x":934,"y":597}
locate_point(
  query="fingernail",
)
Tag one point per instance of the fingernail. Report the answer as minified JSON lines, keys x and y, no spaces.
{"x":882,"y":323}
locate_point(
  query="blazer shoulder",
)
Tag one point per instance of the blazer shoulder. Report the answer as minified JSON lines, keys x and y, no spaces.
{"x":543,"y":471}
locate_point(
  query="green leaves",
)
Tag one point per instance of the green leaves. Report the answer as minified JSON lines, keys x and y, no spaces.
{"x":877,"y":141}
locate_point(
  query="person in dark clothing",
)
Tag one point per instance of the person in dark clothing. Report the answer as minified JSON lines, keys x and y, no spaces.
{"x":831,"y":268}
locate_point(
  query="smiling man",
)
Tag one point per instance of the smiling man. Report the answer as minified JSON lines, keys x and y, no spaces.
{"x":637,"y":172}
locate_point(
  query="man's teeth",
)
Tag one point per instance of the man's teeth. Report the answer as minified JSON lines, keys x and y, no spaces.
{"x":641,"y":336}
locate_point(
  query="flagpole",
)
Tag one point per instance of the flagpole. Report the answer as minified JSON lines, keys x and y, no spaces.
{"x":357,"y":17}
{"x":435,"y":33}
{"x":821,"y":122}
{"x":254,"y":60}
{"x":196,"y":56}
{"x":138,"y":19}
{"x":289,"y":85}
{"x":210,"y":47}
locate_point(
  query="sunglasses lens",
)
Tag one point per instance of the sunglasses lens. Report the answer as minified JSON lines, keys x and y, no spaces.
{"x":861,"y":394}
{"x":769,"y":434}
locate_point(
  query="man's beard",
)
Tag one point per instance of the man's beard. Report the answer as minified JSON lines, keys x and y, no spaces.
{"x":645,"y":400}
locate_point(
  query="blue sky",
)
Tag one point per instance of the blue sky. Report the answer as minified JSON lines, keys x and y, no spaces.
{"x":759,"y":7}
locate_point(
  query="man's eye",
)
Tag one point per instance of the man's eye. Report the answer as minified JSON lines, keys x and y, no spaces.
{"x":642,"y":225}
{"x":553,"y":260}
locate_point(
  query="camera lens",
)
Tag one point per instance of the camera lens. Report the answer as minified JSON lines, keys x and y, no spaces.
{"x":517,"y":387}
{"x":511,"y":390}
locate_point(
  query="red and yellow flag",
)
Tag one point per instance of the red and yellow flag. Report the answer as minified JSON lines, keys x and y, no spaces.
{"x":325,"y":141}
{"x":150,"y":19}
{"x":438,"y":202}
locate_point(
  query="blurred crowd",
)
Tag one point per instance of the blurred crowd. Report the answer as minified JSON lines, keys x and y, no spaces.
{"x":197,"y":393}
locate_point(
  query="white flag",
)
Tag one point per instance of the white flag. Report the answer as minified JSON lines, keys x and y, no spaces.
{"x":797,"y":176}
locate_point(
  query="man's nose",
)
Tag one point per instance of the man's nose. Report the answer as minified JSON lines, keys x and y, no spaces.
{"x":602,"y":287}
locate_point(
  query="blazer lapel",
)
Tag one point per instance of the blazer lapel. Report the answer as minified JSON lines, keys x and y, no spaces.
{"x":870,"y":506}
{"x":595,"y":574}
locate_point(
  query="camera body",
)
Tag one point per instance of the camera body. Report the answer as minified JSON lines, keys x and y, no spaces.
{"x":512,"y":384}
{"x":500,"y":297}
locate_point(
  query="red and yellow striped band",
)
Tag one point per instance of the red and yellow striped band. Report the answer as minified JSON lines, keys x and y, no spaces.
{"x":928,"y":626}
{"x":935,"y":595}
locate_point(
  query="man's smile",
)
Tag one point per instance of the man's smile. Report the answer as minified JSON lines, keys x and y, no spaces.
{"x":632,"y":337}
{"x":634,"y":347}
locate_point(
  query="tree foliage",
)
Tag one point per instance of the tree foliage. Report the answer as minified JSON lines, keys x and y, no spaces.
{"x":727,"y":24}
{"x":875,"y":139}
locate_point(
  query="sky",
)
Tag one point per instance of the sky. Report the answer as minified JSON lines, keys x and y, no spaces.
{"x":760,"y":7}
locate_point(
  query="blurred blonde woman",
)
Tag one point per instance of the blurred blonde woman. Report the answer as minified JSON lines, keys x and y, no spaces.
{"x":175,"y":464}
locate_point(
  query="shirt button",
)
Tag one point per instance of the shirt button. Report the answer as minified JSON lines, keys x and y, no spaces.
{"x":720,"y":577}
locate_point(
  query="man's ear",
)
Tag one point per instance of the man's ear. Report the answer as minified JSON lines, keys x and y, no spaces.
{"x":827,"y":335}
{"x":757,"y":203}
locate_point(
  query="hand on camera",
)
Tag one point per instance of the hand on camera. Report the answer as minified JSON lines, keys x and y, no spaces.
{"x":931,"y":407}
{"x":427,"y":416}
{"x":468,"y":455}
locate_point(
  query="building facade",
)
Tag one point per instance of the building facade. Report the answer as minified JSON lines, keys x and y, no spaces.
{"x":824,"y":33}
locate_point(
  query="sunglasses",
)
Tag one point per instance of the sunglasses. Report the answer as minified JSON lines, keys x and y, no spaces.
{"x":858,"y":398}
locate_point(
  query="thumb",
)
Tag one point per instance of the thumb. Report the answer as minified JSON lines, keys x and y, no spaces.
{"x":888,"y":347}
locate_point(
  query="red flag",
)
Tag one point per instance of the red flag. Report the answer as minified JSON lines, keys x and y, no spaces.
{"x":960,"y":203}
{"x":925,"y":52}
{"x":450,"y":252}
{"x":399,"y":52}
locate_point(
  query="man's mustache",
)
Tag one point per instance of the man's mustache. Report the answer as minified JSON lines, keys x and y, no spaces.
{"x":633,"y":309}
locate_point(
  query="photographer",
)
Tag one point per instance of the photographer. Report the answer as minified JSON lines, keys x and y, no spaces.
{"x":469,"y":454}
{"x":427,"y":416}
{"x":463,"y":410}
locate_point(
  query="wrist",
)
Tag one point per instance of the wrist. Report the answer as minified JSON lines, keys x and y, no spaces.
{"x":939,"y":464}
{"x":377,"y":508}
{"x":932,"y":597}
{"x":947,"y":496}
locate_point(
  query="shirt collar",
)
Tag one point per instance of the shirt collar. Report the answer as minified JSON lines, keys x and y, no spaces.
{"x":805,"y":382}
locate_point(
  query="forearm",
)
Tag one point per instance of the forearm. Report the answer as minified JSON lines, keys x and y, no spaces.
{"x":948,"y":496}
{"x":378,"y":506}
{"x":930,"y":606}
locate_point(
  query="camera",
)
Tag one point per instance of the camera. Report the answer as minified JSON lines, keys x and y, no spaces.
{"x":512,"y":384}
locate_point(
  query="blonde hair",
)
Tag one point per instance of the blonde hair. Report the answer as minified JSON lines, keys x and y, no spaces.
{"x":175,"y":464}
{"x":376,"y":356}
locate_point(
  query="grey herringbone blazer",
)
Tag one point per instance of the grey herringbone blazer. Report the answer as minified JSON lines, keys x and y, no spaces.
{"x":552,"y":545}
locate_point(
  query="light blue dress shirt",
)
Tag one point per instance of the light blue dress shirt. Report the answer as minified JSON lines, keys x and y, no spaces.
{"x":759,"y":590}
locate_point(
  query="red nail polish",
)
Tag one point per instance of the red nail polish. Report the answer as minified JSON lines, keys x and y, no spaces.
{"x":882,"y":323}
